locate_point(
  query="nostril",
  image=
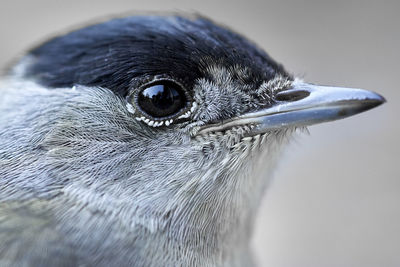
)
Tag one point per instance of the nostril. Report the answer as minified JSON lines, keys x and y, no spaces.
{"x":291,"y":95}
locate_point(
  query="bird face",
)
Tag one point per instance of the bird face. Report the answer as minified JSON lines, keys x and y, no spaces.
{"x":169,"y":82}
{"x":164,"y":122}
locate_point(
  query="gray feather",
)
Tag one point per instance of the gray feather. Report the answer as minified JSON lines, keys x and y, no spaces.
{"x":92,"y":186}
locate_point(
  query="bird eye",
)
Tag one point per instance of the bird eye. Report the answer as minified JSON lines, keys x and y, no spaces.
{"x":162,"y":99}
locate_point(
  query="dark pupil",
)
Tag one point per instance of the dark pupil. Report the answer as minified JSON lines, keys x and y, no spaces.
{"x":161,"y":100}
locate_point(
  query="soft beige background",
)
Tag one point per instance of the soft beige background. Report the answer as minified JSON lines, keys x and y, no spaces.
{"x":335,"y":200}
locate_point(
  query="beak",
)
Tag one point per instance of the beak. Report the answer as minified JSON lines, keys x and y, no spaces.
{"x":304,"y":104}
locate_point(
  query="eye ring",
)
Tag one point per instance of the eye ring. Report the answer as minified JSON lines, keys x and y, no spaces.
{"x":161,"y":102}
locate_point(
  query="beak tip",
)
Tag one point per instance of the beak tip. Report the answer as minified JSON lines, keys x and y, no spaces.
{"x":375,"y":100}
{"x":381,"y":99}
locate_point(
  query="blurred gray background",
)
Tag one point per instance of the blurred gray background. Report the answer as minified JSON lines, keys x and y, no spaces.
{"x":335,"y":200}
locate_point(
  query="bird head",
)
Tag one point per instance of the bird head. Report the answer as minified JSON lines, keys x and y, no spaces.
{"x":164,"y":122}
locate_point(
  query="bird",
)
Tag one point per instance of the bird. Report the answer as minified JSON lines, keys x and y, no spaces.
{"x":147,"y":140}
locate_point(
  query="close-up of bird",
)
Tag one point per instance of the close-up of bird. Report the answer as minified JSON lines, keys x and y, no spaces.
{"x":147,"y":141}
